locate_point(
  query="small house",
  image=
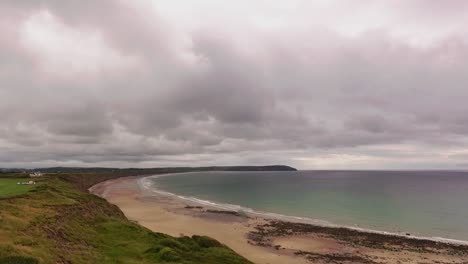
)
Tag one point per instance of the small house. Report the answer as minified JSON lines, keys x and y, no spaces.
{"x":36,"y":174}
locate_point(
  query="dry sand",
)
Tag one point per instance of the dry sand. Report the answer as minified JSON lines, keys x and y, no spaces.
{"x":176,"y":217}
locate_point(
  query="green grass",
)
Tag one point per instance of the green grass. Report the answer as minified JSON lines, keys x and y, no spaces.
{"x":9,"y":187}
{"x":58,"y":223}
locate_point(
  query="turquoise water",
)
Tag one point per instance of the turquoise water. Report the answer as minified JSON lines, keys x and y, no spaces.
{"x":432,"y":203}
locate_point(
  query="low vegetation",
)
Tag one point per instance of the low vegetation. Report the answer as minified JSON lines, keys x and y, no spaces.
{"x":57,"y":221}
{"x":9,"y":187}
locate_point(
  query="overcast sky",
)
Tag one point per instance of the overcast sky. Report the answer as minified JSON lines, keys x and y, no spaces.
{"x":322,"y":84}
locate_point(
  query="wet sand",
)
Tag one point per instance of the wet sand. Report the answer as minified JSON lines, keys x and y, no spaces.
{"x":271,"y":241}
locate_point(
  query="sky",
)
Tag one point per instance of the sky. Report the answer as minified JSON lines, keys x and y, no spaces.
{"x":324,"y":84}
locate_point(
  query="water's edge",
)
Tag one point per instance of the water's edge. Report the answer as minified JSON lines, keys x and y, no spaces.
{"x":148,"y":188}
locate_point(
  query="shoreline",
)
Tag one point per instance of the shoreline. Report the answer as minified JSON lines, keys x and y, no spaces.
{"x":287,"y":218}
{"x":264,"y":239}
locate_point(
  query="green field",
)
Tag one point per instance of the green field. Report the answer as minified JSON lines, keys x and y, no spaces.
{"x":59,"y":222}
{"x":9,"y":187}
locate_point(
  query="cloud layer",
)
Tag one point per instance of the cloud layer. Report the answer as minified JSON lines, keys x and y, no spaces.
{"x":375,"y":84}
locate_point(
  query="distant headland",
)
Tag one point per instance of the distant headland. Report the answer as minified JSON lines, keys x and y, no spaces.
{"x":148,"y":170}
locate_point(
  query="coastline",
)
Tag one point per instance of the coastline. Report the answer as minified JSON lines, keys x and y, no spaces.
{"x":268,"y":240}
{"x":151,"y":190}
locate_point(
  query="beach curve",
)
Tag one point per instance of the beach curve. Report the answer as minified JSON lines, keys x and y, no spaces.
{"x":284,"y":243}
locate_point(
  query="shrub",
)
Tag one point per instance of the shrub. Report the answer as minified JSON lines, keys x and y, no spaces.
{"x":189,"y":243}
{"x":172,"y":243}
{"x":154,"y":250}
{"x":206,"y":242}
{"x":167,"y":254}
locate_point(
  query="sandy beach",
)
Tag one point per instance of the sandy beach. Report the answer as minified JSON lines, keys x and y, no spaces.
{"x":270,"y":241}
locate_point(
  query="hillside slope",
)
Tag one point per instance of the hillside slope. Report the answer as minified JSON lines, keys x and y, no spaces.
{"x":58,"y":222}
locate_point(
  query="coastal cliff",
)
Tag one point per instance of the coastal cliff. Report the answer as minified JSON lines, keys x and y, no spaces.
{"x":58,"y":222}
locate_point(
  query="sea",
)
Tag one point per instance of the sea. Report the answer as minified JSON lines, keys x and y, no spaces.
{"x":430,"y":204}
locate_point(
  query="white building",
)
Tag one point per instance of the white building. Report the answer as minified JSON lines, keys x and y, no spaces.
{"x":36,"y":174}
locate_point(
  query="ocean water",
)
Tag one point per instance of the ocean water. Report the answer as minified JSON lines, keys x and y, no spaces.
{"x":423,"y":203}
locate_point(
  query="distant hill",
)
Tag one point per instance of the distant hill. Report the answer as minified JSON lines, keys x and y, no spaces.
{"x":153,"y":170}
{"x":84,"y":178}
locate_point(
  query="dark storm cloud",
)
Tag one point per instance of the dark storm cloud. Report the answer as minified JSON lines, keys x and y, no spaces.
{"x":116,"y":83}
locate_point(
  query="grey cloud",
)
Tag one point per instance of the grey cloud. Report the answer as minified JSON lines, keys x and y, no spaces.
{"x":216,"y":98}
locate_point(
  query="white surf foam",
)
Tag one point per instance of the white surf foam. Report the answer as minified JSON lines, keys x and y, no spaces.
{"x":149,"y":188}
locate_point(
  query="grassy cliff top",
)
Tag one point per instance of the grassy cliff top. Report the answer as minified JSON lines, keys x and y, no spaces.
{"x":10,"y":187}
{"x":57,"y":222}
